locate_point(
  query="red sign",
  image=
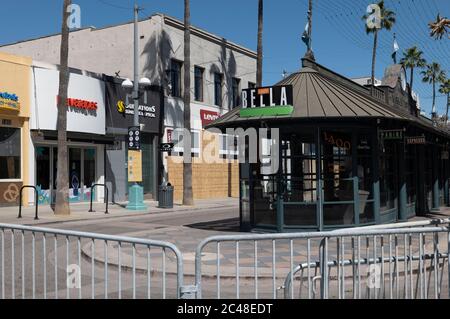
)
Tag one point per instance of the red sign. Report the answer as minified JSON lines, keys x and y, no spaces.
{"x":208,"y":117}
{"x":169,"y":136}
{"x":81,"y":104}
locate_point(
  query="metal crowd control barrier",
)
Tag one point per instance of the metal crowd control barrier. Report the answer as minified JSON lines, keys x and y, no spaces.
{"x":106,"y":198}
{"x":49,"y":263}
{"x":36,"y":204}
{"x":402,"y":262}
{"x":265,"y":264}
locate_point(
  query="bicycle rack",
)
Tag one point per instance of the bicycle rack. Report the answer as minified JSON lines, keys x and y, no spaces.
{"x":92,"y":197}
{"x":36,"y":217}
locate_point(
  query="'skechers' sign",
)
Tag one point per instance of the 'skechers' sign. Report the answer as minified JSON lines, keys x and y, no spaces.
{"x":267,"y":101}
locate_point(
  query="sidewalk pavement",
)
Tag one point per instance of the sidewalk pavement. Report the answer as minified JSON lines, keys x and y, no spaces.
{"x":80,"y":211}
{"x":187,"y":238}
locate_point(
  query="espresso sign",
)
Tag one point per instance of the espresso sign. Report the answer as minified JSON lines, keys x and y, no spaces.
{"x":267,"y":101}
{"x":416,"y":140}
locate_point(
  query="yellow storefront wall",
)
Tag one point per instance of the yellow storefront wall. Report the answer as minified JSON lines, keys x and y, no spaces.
{"x":212,"y":178}
{"x":16,"y":79}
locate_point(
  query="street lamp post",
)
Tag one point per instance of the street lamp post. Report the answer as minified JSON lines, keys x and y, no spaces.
{"x":135,"y":191}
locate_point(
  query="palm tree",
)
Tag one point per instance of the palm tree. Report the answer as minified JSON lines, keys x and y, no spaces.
{"x":445,"y":89}
{"x":412,"y":58}
{"x":439,"y":27}
{"x":62,"y":173}
{"x":188,"y":198}
{"x":387,"y":21}
{"x":259,"y":67}
{"x":433,"y":74}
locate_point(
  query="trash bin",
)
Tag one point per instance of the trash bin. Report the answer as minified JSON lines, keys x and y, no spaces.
{"x":165,"y":196}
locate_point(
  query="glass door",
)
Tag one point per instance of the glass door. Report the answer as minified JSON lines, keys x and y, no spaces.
{"x":88,"y":180}
{"x":43,"y":174}
{"x":338,"y":187}
{"x":75,"y":193}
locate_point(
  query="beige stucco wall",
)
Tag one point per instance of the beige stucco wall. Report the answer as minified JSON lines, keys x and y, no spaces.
{"x":16,"y":79}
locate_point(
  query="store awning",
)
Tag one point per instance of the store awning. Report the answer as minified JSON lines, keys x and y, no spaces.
{"x":73,"y":137}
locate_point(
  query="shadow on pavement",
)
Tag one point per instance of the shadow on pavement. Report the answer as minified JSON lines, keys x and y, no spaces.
{"x":225,"y":225}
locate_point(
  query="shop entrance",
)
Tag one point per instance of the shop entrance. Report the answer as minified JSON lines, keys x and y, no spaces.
{"x":82,"y":172}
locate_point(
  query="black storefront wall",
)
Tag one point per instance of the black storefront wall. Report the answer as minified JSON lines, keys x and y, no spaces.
{"x":388,"y":179}
{"x":119,"y":117}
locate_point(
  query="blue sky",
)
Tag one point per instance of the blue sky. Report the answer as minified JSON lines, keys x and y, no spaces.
{"x":339,"y":39}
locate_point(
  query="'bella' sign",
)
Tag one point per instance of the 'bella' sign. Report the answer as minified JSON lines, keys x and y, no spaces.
{"x":267,"y":101}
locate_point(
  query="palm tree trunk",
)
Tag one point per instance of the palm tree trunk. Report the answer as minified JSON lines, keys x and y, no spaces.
{"x":62,"y":173}
{"x":188,"y":198}
{"x":374,"y":55}
{"x":259,"y":67}
{"x":433,"y":108}
{"x":411,"y":80}
{"x":446,"y":113}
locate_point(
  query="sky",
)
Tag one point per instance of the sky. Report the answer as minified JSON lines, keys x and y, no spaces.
{"x":339,"y":39}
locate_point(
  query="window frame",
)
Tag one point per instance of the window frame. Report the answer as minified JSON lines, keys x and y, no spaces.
{"x":201,"y":97}
{"x":235,"y":88}
{"x":20,"y":179}
{"x":179,"y":92}
{"x":218,"y":98}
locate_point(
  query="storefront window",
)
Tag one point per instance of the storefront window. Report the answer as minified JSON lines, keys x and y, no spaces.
{"x":337,"y":176}
{"x":365,"y":178}
{"x":388,"y":178}
{"x":75,"y":174}
{"x":410,"y":178}
{"x":89,"y":171}
{"x":299,"y":179}
{"x":10,"y":153}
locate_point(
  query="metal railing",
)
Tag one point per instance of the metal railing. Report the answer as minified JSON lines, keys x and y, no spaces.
{"x":393,"y":280}
{"x":49,"y":263}
{"x":265,"y":264}
{"x":91,"y":210}
{"x":36,"y":204}
{"x":410,"y":261}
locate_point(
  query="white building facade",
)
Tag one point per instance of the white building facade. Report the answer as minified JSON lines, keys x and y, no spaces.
{"x":220,"y":69}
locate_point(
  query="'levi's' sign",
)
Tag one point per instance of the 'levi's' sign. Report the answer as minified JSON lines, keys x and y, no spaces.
{"x":267,"y":101}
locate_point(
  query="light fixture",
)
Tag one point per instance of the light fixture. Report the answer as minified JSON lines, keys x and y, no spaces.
{"x":144,"y":82}
{"x":127,"y":84}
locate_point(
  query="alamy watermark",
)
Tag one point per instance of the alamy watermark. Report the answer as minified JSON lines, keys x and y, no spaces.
{"x":374,"y":278}
{"x":73,"y":277}
{"x":249,"y":145}
{"x":373,"y":20}
{"x":74,"y":19}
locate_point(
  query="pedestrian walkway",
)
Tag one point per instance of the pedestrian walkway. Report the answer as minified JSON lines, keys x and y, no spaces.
{"x":187,"y":238}
{"x":80,"y":211}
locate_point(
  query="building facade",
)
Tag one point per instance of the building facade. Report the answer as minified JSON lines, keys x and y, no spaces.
{"x":344,"y":155}
{"x":86,"y":116}
{"x":220,"y":70}
{"x":15,"y":99}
